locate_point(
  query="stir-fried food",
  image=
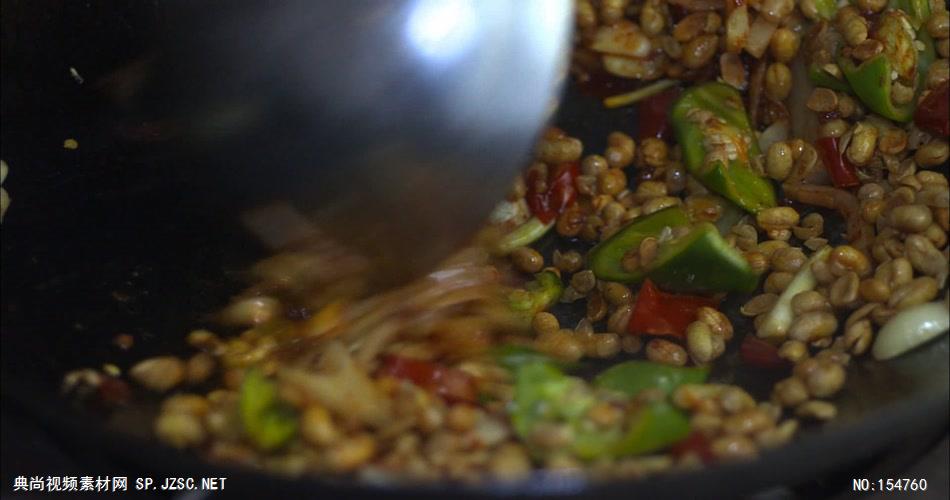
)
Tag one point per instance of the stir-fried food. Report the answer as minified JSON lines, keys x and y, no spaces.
{"x":761,"y":125}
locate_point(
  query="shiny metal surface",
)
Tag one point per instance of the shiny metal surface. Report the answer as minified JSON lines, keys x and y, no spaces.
{"x":394,"y":124}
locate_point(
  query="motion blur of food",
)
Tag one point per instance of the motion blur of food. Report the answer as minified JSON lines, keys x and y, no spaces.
{"x":580,"y":331}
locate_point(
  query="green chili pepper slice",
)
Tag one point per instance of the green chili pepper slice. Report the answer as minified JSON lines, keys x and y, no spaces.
{"x":527,"y":233}
{"x":537,"y":295}
{"x":605,"y":259}
{"x":657,"y":426}
{"x":702,"y":261}
{"x":918,"y":11}
{"x":718,"y":145}
{"x":872,"y":80}
{"x":267,"y":421}
{"x":821,"y":78}
{"x":633,"y":377}
{"x":543,"y":393}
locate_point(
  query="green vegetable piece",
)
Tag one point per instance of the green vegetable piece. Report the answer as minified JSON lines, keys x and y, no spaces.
{"x":826,"y":9}
{"x":702,"y":261}
{"x":605,"y":258}
{"x":267,"y":422}
{"x":543,"y":392}
{"x":525,"y":234}
{"x":718,"y":145}
{"x":918,"y":11}
{"x":872,"y":80}
{"x":633,"y":377}
{"x":537,"y":295}
{"x":657,"y":426}
{"x":822,"y":78}
{"x":514,"y":356}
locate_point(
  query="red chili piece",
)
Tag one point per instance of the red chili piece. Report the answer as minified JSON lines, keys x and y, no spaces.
{"x":653,"y":115}
{"x":761,"y":354}
{"x":559,"y":195}
{"x":112,"y":391}
{"x":660,"y":313}
{"x":694,"y":443}
{"x":453,"y":385}
{"x":932,"y":113}
{"x":842,"y":172}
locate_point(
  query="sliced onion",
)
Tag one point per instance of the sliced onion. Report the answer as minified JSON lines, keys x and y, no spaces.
{"x":779,"y":319}
{"x":910,"y":328}
{"x":759,"y":36}
{"x":619,"y":100}
{"x":776,"y":132}
{"x":737,"y":29}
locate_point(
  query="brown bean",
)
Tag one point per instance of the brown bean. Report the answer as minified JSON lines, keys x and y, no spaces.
{"x":822,"y":100}
{"x":160,"y":373}
{"x":617,"y":294}
{"x":932,"y":154}
{"x":180,"y":430}
{"x":863,"y":143}
{"x":846,"y":258}
{"x":778,"y":81}
{"x":809,"y":301}
{"x":717,"y":322}
{"x":858,"y":337}
{"x":918,"y":291}
{"x":911,"y":218}
{"x":760,"y":304}
{"x":571,"y":221}
{"x":938,"y":25}
{"x":793,"y":350}
{"x":560,"y":150}
{"x":817,"y":410}
{"x":654,"y":152}
{"x":778,"y":161}
{"x":788,"y":259}
{"x":584,"y":281}
{"x":777,"y":282}
{"x":812,"y":326}
{"x":664,"y":351}
{"x":199,"y":367}
{"x":733,"y":448}
{"x":699,"y":51}
{"x":699,"y":342}
{"x":562,"y":344}
{"x":874,"y":290}
{"x":596,"y":307}
{"x":619,"y":319}
{"x":844,"y":291}
{"x":925,"y":257}
{"x":790,"y":392}
{"x":527,"y":259}
{"x":777,"y":218}
{"x":593,"y":165}
{"x":317,"y":427}
{"x":567,"y":262}
{"x":784,"y":45}
{"x":545,"y":322}
{"x":612,"y":181}
{"x":825,"y":380}
{"x":757,"y":261}
{"x":777,"y":436}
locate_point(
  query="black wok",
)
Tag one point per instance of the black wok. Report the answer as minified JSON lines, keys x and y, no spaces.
{"x":121,"y":236}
